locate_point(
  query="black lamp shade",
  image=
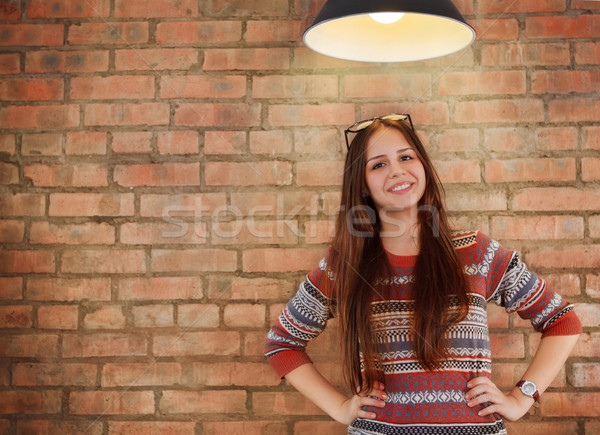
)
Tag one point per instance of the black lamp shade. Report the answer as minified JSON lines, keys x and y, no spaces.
{"x":428,"y":29}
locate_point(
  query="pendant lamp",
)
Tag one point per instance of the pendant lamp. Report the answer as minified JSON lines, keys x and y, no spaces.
{"x":388,"y":30}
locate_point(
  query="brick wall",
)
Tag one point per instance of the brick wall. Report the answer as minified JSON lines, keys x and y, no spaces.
{"x":169,"y":171}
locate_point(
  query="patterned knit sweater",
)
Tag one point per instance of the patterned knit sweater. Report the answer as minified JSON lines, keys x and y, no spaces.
{"x":420,"y":401}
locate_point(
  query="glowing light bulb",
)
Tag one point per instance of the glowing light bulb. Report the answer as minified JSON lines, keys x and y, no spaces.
{"x":386,"y":17}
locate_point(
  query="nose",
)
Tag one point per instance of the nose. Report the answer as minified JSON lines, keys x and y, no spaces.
{"x":397,"y":169}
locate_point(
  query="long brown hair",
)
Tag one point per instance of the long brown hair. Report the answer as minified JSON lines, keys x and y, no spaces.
{"x":358,"y":258}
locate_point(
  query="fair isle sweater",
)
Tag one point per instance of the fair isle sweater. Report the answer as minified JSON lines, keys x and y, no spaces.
{"x":419,"y":401}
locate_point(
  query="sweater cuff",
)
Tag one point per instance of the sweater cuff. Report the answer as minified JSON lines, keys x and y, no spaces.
{"x":287,"y":360}
{"x":569,"y":324}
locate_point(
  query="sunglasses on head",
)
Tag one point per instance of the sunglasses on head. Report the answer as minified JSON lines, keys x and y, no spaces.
{"x":362,"y":125}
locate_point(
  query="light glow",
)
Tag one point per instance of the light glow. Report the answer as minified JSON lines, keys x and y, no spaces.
{"x":386,"y":17}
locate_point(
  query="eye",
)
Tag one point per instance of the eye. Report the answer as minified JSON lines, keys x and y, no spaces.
{"x":378,"y":165}
{"x":405,"y":157}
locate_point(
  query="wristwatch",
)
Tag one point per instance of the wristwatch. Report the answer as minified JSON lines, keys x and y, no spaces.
{"x":529,"y":389}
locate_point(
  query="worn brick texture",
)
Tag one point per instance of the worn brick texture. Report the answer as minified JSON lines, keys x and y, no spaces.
{"x":170,"y":170}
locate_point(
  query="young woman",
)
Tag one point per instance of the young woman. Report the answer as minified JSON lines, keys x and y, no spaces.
{"x":411,"y":299}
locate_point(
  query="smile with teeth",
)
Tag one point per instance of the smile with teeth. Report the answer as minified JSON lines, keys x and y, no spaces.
{"x":400,"y":187}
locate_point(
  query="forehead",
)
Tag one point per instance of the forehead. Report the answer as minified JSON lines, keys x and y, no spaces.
{"x":385,"y":141}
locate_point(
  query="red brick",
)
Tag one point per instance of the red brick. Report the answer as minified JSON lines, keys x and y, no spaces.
{"x":582,"y":26}
{"x":85,"y":143}
{"x":458,"y":171}
{"x":7,"y":144}
{"x":27,"y":262}
{"x":74,"y":175}
{"x":585,"y":404}
{"x":321,"y":231}
{"x":246,"y":59}
{"x":207,"y":401}
{"x":304,"y":58}
{"x":160,"y":233}
{"x":218,"y":114}
{"x":244,"y":315}
{"x":275,"y":31}
{"x":507,"y":6}
{"x":10,"y":63}
{"x":276,"y":204}
{"x":200,"y":86}
{"x":10,"y":10}
{"x":507,"y":345}
{"x":484,"y":82}
{"x":566,"y":284}
{"x":68,"y":8}
{"x":417,"y":85}
{"x":12,"y":288}
{"x":320,"y":173}
{"x":66,"y":289}
{"x":23,"y":117}
{"x":48,"y":427}
{"x":496,"y":29}
{"x":194,"y":260}
{"x":30,"y":402}
{"x":271,"y":142}
{"x":556,"y":138}
{"x":251,"y":289}
{"x":589,"y":314}
{"x":34,"y":374}
{"x":104,"y":261}
{"x":245,"y":8}
{"x":248,"y":173}
{"x":181,"y":205}
{"x":541,"y":428}
{"x":155,"y":59}
{"x":52,"y":61}
{"x":279,"y":86}
{"x":177,"y":142}
{"x":421,"y":113}
{"x":586,"y":375}
{"x":58,"y":317}
{"x":225,"y":142}
{"x":42,"y":144}
{"x":159,"y":288}
{"x":496,"y":316}
{"x":556,"y":199}
{"x":590,"y":169}
{"x":588,"y":345}
{"x":198,"y":32}
{"x":253,"y":231}
{"x":38,"y":34}
{"x":160,"y":8}
{"x":537,"y":227}
{"x":279,"y":403}
{"x":587,"y":53}
{"x":15,"y":316}
{"x":104,"y":317}
{"x":281,"y":260}
{"x":132,"y":142}
{"x":507,"y":140}
{"x":245,"y":427}
{"x":518,"y":54}
{"x":159,"y":174}
{"x":111,"y":402}
{"x":112,"y":87}
{"x":562,"y":82}
{"x":29,"y":346}
{"x":594,"y":226}
{"x":151,"y":428}
{"x":225,"y":343}
{"x":153,"y":316}
{"x":456,"y":140}
{"x":91,"y":204}
{"x":490,"y":111}
{"x":9,"y":173}
{"x":31,"y":89}
{"x":127,"y":114}
{"x":477,"y":200}
{"x":234,"y":374}
{"x":501,"y":171}
{"x":198,"y":316}
{"x":315,"y":140}
{"x":309,"y":114}
{"x":105,"y":33}
{"x":103,"y":345}
{"x":591,"y":138}
{"x":575,"y":256}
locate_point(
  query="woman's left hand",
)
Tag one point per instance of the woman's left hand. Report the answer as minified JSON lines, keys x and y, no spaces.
{"x":511,"y":406}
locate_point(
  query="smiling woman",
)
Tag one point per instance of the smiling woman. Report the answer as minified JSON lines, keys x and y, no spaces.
{"x":412,"y":304}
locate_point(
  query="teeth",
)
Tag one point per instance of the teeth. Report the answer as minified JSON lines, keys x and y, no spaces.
{"x":402,"y":186}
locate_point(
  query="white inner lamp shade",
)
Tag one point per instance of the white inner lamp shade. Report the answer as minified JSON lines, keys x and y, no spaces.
{"x":413,"y":37}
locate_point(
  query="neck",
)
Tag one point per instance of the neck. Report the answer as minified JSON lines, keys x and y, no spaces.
{"x":400,"y":233}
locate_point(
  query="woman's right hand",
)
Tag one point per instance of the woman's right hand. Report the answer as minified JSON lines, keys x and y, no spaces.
{"x":352,"y":408}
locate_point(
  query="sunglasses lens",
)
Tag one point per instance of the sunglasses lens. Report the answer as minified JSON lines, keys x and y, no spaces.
{"x":395,"y":117}
{"x":361,"y":125}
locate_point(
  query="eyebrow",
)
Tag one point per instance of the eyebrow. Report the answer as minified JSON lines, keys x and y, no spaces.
{"x":383,"y":155}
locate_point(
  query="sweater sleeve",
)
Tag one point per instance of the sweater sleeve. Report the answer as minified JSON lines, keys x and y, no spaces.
{"x":303,"y":319}
{"x":519,"y":290}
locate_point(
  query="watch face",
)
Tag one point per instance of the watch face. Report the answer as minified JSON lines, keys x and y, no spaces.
{"x":528,"y":388}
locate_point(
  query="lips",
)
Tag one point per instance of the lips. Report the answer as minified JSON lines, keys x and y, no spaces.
{"x":400,"y":187}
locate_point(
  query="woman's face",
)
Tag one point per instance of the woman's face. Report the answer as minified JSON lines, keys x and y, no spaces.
{"x":394,"y":174}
